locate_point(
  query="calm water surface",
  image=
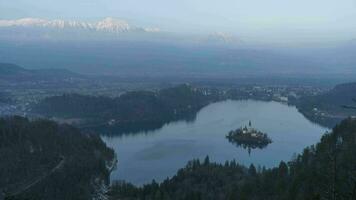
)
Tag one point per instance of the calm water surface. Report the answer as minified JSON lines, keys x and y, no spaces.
{"x":160,"y":153}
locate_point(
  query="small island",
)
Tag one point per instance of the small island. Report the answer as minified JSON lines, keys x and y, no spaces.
{"x":249,"y":138}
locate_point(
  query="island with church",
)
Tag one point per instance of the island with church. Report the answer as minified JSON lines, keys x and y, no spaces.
{"x":248,"y":137}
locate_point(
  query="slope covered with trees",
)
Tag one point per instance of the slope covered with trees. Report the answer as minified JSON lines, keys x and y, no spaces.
{"x":43,"y":160}
{"x":130,"y":109}
{"x":331,"y":107}
{"x":322,"y":171}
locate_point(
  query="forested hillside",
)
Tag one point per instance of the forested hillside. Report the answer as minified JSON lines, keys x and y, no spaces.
{"x":322,"y":171}
{"x":331,"y":107}
{"x":132,"y":107}
{"x":43,"y":160}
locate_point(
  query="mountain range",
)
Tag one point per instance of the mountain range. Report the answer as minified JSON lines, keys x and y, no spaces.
{"x":106,"y":25}
{"x":28,"y":29}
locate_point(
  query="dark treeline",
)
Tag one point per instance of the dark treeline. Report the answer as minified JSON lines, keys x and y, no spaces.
{"x":144,"y":107}
{"x":43,"y":160}
{"x":326,"y":170}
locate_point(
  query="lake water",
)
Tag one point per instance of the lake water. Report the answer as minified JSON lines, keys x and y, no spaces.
{"x":158,"y":154}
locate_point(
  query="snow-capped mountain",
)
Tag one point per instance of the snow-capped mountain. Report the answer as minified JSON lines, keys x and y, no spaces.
{"x":112,"y":25}
{"x":106,"y":25}
{"x":29,"y":29}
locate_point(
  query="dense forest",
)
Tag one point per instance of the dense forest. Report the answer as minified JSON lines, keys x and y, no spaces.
{"x":130,"y":109}
{"x":43,"y":160}
{"x":331,"y":107}
{"x":322,"y":171}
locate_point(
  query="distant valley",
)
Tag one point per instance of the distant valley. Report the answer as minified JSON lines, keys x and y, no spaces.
{"x":151,"y":59}
{"x":327,"y":108}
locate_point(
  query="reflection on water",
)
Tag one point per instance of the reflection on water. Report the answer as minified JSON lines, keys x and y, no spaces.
{"x":158,"y":154}
{"x":248,"y":138}
{"x":166,"y":149}
{"x":135,"y":127}
{"x":248,"y":147}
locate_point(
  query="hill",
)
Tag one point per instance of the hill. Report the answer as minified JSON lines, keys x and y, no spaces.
{"x":133,"y":110}
{"x":14,"y":73}
{"x":43,"y":160}
{"x":331,"y":107}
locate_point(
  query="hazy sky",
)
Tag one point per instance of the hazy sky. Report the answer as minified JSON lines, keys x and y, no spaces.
{"x":271,"y":19}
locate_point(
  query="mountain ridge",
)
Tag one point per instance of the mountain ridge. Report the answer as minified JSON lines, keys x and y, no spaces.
{"x":13,"y":73}
{"x":108,"y":24}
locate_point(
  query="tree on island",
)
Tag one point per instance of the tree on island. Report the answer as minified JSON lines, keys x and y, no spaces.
{"x":248,"y":138}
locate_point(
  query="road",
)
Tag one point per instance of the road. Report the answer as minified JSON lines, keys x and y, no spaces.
{"x":26,"y":187}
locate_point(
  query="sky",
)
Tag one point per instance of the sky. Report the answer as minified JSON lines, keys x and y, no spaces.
{"x":256,"y":19}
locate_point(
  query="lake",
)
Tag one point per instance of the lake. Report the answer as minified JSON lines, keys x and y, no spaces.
{"x":158,"y":154}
